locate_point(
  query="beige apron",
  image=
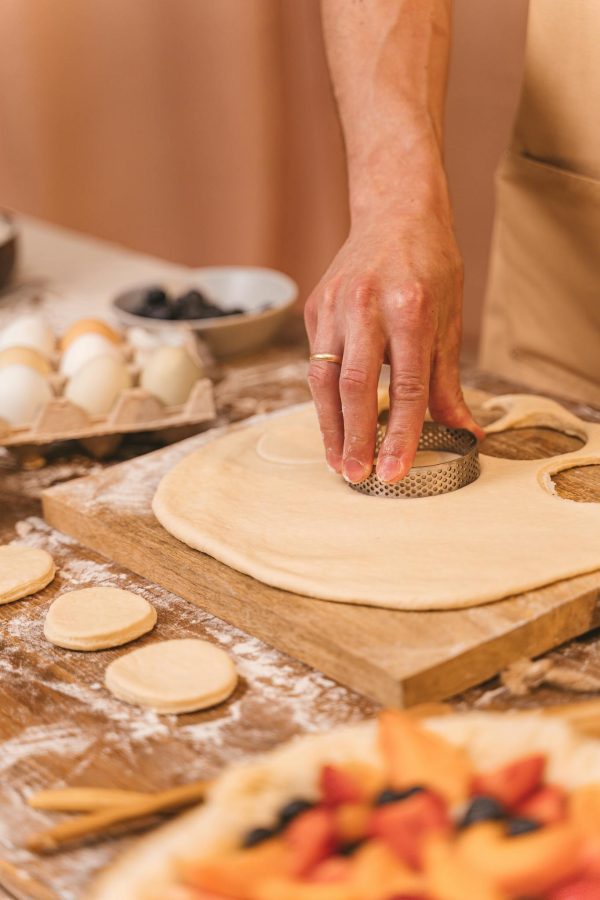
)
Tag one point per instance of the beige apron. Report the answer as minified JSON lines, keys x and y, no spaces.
{"x":542,"y":315}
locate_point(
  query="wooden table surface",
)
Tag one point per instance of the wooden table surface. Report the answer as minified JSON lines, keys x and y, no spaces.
{"x":59,"y":727}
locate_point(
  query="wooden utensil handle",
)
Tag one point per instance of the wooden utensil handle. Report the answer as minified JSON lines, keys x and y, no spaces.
{"x":100,"y":821}
{"x":84,"y":799}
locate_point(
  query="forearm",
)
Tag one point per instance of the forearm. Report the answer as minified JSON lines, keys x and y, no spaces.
{"x":388,"y":61}
{"x":393,"y":292}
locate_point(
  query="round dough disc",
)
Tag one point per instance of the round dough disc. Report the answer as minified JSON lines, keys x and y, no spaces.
{"x":98,"y":617}
{"x":23,"y":571}
{"x":173,"y":676}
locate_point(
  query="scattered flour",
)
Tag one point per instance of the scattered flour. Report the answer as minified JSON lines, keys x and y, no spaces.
{"x":42,"y":740}
{"x":276,"y":699}
{"x":279,"y":696}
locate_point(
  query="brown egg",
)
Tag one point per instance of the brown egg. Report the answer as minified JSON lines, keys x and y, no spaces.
{"x":87,"y":326}
{"x":25,"y":356}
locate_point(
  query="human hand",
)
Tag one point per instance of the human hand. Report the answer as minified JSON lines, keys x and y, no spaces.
{"x":393,"y":293}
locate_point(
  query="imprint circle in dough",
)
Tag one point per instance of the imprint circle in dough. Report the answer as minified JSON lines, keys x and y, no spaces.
{"x":98,"y":617}
{"x":173,"y":676}
{"x":23,"y":571}
{"x":296,"y":444}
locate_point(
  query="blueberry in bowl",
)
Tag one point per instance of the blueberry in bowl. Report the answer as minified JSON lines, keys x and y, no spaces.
{"x":234,"y":309}
{"x":193,"y":304}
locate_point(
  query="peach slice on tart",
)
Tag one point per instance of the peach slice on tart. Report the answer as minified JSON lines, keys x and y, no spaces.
{"x":526,"y":865}
{"x":414,"y":756}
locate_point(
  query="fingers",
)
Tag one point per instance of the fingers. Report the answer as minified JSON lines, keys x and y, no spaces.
{"x":410,"y":351}
{"x":424,"y":369}
{"x":446,"y":402}
{"x":363,"y":357}
{"x":323,"y":379}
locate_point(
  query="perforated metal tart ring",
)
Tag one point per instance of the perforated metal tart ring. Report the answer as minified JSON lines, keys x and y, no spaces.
{"x":428,"y":481}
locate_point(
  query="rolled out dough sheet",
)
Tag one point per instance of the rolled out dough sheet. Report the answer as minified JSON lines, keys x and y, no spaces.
{"x":268,"y":507}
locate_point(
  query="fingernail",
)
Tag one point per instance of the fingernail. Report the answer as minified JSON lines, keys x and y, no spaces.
{"x":389,"y":468}
{"x":355,"y":471}
{"x":334,"y":461}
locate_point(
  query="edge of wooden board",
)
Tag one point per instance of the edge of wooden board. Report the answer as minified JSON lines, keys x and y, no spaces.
{"x":577,"y":614}
{"x":572,"y":616}
{"x":227,"y":605}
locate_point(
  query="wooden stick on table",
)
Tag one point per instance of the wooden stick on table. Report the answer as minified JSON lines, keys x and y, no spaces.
{"x":103,"y":820}
{"x":84,"y":799}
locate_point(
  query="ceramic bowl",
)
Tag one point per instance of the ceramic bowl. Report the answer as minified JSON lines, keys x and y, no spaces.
{"x":8,"y":247}
{"x":266,"y":296}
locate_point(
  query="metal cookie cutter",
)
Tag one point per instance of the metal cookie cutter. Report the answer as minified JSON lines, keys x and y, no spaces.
{"x":427,"y":481}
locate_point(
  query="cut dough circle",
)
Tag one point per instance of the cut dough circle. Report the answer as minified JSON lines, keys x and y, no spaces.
{"x":23,"y":571}
{"x":173,"y":676}
{"x":98,"y":617}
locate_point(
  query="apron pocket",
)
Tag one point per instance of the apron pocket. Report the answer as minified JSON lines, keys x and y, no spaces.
{"x":543,"y":306}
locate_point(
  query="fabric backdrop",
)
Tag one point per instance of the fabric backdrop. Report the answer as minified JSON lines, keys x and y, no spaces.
{"x":205,"y":131}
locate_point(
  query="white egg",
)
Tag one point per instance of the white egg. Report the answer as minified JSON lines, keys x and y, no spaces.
{"x":97,"y":384}
{"x":29,"y":331}
{"x":144,"y":343}
{"x":86,"y":347}
{"x":23,"y":392}
{"x":170,"y":374}
{"x":142,"y":339}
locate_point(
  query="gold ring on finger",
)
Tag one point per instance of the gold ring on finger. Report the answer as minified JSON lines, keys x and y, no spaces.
{"x":326,"y":357}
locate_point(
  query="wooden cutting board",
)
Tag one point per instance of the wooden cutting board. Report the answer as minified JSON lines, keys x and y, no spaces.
{"x":399,"y":658}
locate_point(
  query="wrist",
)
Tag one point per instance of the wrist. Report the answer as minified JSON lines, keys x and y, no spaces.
{"x":402,"y":194}
{"x":402,"y":174}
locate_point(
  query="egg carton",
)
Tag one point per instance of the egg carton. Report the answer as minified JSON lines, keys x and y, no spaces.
{"x":135,"y":410}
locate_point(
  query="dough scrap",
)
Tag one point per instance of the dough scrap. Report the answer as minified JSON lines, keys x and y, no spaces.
{"x":98,"y":617}
{"x":301,"y":528}
{"x":23,"y":571}
{"x":173,"y":676}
